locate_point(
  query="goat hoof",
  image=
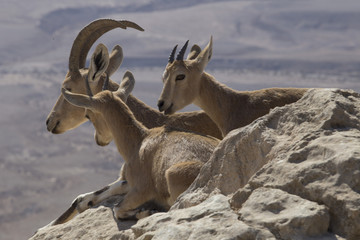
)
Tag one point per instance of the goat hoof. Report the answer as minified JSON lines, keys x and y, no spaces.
{"x":143,"y":214}
{"x":130,"y":215}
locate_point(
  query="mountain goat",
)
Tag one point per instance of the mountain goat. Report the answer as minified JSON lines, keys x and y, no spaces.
{"x":186,"y":82}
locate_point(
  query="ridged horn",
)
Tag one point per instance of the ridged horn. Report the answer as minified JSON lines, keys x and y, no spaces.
{"x":180,"y":55}
{"x":172,"y":55}
{"x":106,"y":83}
{"x":89,"y":34}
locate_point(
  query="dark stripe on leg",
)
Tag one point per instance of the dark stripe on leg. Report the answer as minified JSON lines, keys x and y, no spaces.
{"x":101,"y":191}
{"x":66,"y":214}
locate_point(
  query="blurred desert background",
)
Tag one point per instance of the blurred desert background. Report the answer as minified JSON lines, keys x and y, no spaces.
{"x":257,"y":44}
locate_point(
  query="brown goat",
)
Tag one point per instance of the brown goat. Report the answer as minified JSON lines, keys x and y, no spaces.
{"x":186,"y":82}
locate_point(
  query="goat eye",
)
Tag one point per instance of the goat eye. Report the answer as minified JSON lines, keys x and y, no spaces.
{"x":180,"y":77}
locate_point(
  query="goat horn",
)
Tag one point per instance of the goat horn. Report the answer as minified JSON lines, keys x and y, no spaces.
{"x":131,"y":25}
{"x":180,"y":55}
{"x":106,"y":83}
{"x":88,"y":35}
{"x":88,"y":89}
{"x":172,"y":55}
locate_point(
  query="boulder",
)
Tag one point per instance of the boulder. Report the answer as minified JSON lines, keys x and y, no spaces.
{"x":212,"y":219}
{"x":316,"y":156}
{"x":287,"y":216}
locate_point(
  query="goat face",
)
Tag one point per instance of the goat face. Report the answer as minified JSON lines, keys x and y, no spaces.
{"x":63,"y":115}
{"x":91,"y":81}
{"x":181,"y":78}
{"x":179,"y":88}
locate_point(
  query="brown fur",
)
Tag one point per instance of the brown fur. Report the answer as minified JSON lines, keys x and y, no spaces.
{"x":64,"y":116}
{"x":232,"y":109}
{"x":181,"y":175}
{"x":167,"y":160}
{"x":228,"y":108}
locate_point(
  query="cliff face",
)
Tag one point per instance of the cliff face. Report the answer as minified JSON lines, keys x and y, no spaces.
{"x":291,"y":174}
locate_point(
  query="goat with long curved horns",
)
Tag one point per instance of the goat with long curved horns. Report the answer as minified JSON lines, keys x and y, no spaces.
{"x":65,"y":116}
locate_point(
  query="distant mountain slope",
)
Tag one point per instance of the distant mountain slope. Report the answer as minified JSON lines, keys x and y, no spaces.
{"x":320,"y":30}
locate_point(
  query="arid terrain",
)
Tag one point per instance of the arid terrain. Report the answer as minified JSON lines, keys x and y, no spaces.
{"x":256,"y":45}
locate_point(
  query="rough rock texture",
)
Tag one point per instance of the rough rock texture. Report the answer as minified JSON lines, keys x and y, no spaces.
{"x":286,"y":215}
{"x":292,"y":174}
{"x":317,"y":156}
{"x":97,"y":223}
{"x":212,"y":219}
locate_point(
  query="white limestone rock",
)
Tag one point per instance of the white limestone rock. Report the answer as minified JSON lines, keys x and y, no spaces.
{"x":95,"y":223}
{"x":310,"y":148}
{"x":292,"y":174}
{"x":212,"y":219}
{"x":287,"y":216}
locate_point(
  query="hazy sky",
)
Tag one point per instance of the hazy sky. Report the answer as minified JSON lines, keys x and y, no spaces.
{"x":318,"y":30}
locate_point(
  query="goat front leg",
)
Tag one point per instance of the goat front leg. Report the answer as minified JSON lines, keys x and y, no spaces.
{"x":129,"y":205}
{"x":66,"y":216}
{"x":88,"y":200}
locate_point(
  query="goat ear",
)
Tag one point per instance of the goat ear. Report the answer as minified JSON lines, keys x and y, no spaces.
{"x":78,"y":100}
{"x":99,"y":63}
{"x":194,"y":52}
{"x":127,"y":84}
{"x":204,"y":56}
{"x":116,"y":58}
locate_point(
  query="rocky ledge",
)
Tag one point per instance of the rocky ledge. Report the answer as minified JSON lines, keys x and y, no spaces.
{"x":292,"y":174}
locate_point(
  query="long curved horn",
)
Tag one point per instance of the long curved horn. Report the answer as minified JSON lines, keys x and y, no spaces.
{"x":180,"y":55}
{"x":131,"y":25}
{"x":172,"y":55}
{"x":89,"y":34}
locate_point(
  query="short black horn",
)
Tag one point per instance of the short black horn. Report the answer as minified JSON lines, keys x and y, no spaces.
{"x":172,"y":55}
{"x":88,"y":89}
{"x":106,"y":83}
{"x":180,"y":56}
